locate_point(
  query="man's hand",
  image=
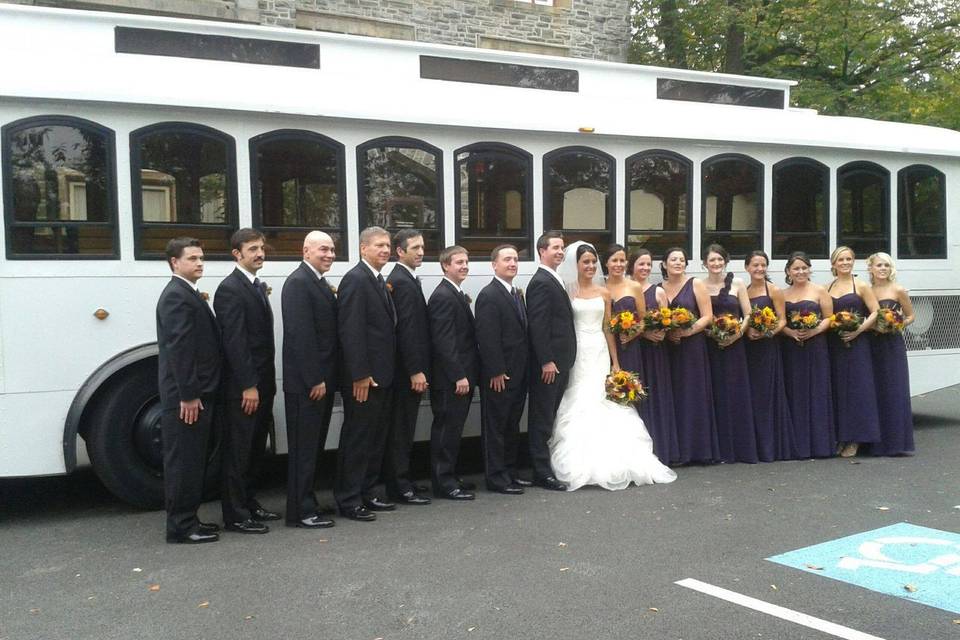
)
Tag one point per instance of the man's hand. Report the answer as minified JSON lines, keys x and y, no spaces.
{"x":418,"y":382}
{"x":463,"y":387}
{"x":499,"y":383}
{"x":361,"y":388}
{"x":250,"y":401}
{"x":548,"y":373}
{"x":318,"y":391}
{"x":190,"y":410}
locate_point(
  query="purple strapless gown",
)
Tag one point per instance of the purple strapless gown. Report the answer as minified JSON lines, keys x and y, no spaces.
{"x":692,"y":391}
{"x":657,"y":410}
{"x":854,"y":391}
{"x":731,"y":390}
{"x":771,"y":411}
{"x":893,"y":391}
{"x":806,"y":377}
{"x":628,"y":354}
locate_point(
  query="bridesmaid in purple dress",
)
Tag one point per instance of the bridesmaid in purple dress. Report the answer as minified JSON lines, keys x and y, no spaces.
{"x":689,"y":363}
{"x":890,"y":362}
{"x":657,"y":410}
{"x":806,"y":363}
{"x":732,"y":405}
{"x":854,"y":391}
{"x":771,"y":411}
{"x":626,"y":295}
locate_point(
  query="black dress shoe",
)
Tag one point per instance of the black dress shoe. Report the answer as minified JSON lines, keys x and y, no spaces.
{"x":313,"y":522}
{"x":466,"y":485}
{"x":520,"y":482}
{"x":193,"y":538}
{"x":208,"y":527}
{"x":411,"y":497}
{"x":378,"y":504}
{"x":261,"y":514}
{"x":457,"y":494}
{"x":551,"y":483}
{"x":358,"y":513}
{"x":510,"y":489}
{"x":247,"y":526}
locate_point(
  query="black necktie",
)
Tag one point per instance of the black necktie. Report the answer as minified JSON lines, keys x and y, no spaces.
{"x":518,"y":301}
{"x":262,"y":290}
{"x":386,"y":297}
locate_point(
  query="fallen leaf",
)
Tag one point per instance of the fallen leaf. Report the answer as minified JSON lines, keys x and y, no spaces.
{"x":956,"y":622}
{"x":654,"y":609}
{"x":323,"y":540}
{"x":910,"y":588}
{"x":137,"y":569}
{"x":562,"y":544}
{"x":564,"y":569}
{"x":957,"y":506}
{"x":204,"y":605}
{"x":471,"y":628}
{"x":774,"y":587}
{"x":249,"y":617}
{"x":34,"y":610}
{"x":883,"y":508}
{"x":91,"y":597}
{"x":154,"y":587}
{"x":814,"y":567}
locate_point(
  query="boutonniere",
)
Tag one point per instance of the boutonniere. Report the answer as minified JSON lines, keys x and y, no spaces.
{"x":468,"y":298}
{"x":204,"y":296}
{"x":333,"y":289}
{"x":389,"y":288}
{"x":520,"y":291}
{"x":269,"y":290}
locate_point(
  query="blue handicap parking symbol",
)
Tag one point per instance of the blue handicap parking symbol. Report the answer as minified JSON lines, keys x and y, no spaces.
{"x":903,"y":560}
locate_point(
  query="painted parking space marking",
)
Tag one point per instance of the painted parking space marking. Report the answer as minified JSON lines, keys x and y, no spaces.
{"x":777,"y":611}
{"x":902,"y":560}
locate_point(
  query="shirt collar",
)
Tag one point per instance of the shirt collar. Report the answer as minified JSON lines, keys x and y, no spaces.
{"x":372,"y":270}
{"x":553,"y":273}
{"x":453,"y":284}
{"x":412,"y":272}
{"x":314,"y":269}
{"x":193,"y":285}
{"x":506,"y":284}
{"x":250,"y":276}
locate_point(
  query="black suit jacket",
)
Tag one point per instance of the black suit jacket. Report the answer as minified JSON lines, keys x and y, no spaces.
{"x":413,"y":326}
{"x":367,"y":331}
{"x":501,"y":333}
{"x":452,"y":337}
{"x":189,"y":342}
{"x":310,"y":348}
{"x":550,"y":319}
{"x":246,"y":327}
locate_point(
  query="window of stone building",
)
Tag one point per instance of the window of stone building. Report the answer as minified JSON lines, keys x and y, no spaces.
{"x":578,"y":194}
{"x":921,"y":212}
{"x":59,"y":185}
{"x":863,"y":207}
{"x":732,"y":203}
{"x":659,"y":184}
{"x":801,"y":208}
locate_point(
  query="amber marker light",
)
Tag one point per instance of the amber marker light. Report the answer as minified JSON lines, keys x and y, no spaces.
{"x":101,"y":314}
{"x":586,"y":129}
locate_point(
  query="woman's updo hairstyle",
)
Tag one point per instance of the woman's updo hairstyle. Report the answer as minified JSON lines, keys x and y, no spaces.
{"x":632,"y":260}
{"x":666,"y":254}
{"x":719,"y":250}
{"x":836,"y":254}
{"x":757,"y":253}
{"x":612,"y":249}
{"x":586,"y":248}
{"x":796,"y":255}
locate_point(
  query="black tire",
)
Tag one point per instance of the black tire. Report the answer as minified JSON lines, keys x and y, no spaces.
{"x":123,"y":438}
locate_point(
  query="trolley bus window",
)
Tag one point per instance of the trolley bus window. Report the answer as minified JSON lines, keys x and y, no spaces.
{"x":493,"y":198}
{"x":401,"y":187}
{"x":801,"y":196}
{"x":578,"y":183}
{"x":59,"y":189}
{"x":184,"y":182}
{"x":733,"y":203}
{"x":298,"y":186}
{"x":863,"y":206}
{"x":658,"y":196}
{"x":921,"y":213}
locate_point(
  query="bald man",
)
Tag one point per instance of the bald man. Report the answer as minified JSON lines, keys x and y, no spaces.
{"x":309,"y":374}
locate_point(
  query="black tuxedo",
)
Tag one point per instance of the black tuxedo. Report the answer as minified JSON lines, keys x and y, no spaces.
{"x":502,"y":338}
{"x":188,"y":368}
{"x":554,"y":339}
{"x":310,"y":354}
{"x":454,"y":350}
{"x":246,"y":326}
{"x":368,"y":343}
{"x":413,"y":356}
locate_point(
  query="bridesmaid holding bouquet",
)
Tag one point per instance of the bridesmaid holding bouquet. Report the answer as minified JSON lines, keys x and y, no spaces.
{"x":768,"y":317}
{"x":657,"y":410}
{"x":854,"y":391}
{"x":806,"y":361}
{"x":627,"y":297}
{"x":890,"y":358}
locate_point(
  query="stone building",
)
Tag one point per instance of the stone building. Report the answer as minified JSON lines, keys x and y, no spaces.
{"x":595,"y":29}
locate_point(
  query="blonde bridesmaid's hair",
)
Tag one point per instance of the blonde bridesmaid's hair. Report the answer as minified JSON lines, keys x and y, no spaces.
{"x":885,"y":257}
{"x":836,"y":254}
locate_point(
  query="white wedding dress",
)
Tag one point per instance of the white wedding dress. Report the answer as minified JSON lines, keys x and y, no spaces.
{"x":596,"y":441}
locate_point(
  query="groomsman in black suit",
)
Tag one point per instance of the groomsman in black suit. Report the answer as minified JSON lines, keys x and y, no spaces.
{"x":554,"y":342}
{"x":502,"y":338}
{"x":188,"y":374}
{"x":249,"y":382}
{"x":310,"y":353}
{"x":413,"y":365}
{"x":367,"y":330}
{"x":455,"y":371}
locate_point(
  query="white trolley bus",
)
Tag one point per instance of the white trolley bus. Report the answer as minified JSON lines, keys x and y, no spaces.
{"x":121,"y":131}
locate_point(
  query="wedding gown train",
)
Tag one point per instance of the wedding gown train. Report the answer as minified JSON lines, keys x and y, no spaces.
{"x":596,"y":441}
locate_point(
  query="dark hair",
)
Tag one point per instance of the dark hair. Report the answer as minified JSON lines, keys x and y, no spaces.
{"x":666,"y":254}
{"x":632,"y":260}
{"x":757,"y":253}
{"x":796,"y":255}
{"x":586,"y":248}
{"x":400,"y":238}
{"x":241,"y":237}
{"x":718,"y":249}
{"x":612,"y":248}
{"x":176,"y":246}
{"x":544,"y":240}
{"x":446,"y":256}
{"x":500,"y":247}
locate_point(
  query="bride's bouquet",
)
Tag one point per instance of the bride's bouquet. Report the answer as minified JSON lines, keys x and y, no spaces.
{"x":624,"y":387}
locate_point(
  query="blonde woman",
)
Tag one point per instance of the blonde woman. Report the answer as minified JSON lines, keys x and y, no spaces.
{"x":890,"y":371}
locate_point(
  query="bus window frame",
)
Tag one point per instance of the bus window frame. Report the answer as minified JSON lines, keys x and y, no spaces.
{"x":708,"y":237}
{"x":610,"y":215}
{"x":901,"y":235}
{"x":786,"y":163}
{"x":862,"y":166}
{"x":670,"y":155}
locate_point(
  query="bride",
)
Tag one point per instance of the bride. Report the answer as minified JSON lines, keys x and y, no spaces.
{"x":596,"y":441}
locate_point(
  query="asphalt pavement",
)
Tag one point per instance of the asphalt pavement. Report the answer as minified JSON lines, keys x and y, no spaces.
{"x":76,"y":564}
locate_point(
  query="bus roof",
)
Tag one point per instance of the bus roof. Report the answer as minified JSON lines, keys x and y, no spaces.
{"x":70,"y":55}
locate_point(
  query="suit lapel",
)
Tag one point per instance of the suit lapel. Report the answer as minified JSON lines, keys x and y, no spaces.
{"x":508,"y":296}
{"x":312,"y":277}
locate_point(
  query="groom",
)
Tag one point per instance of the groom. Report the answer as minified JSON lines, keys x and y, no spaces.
{"x":554,"y":342}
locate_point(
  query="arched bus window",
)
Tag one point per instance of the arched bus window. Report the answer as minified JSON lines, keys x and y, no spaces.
{"x":183,"y":179}
{"x":921,"y":212}
{"x":659,"y":184}
{"x":59,"y":186}
{"x":297,"y":182}
{"x":494,"y":198}
{"x":801,"y":207}
{"x":732,"y":192}
{"x":863,"y":207}
{"x":401,"y":187}
{"x":578,"y":188}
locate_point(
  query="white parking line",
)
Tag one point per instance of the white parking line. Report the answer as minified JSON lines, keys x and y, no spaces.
{"x":777,"y":611}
